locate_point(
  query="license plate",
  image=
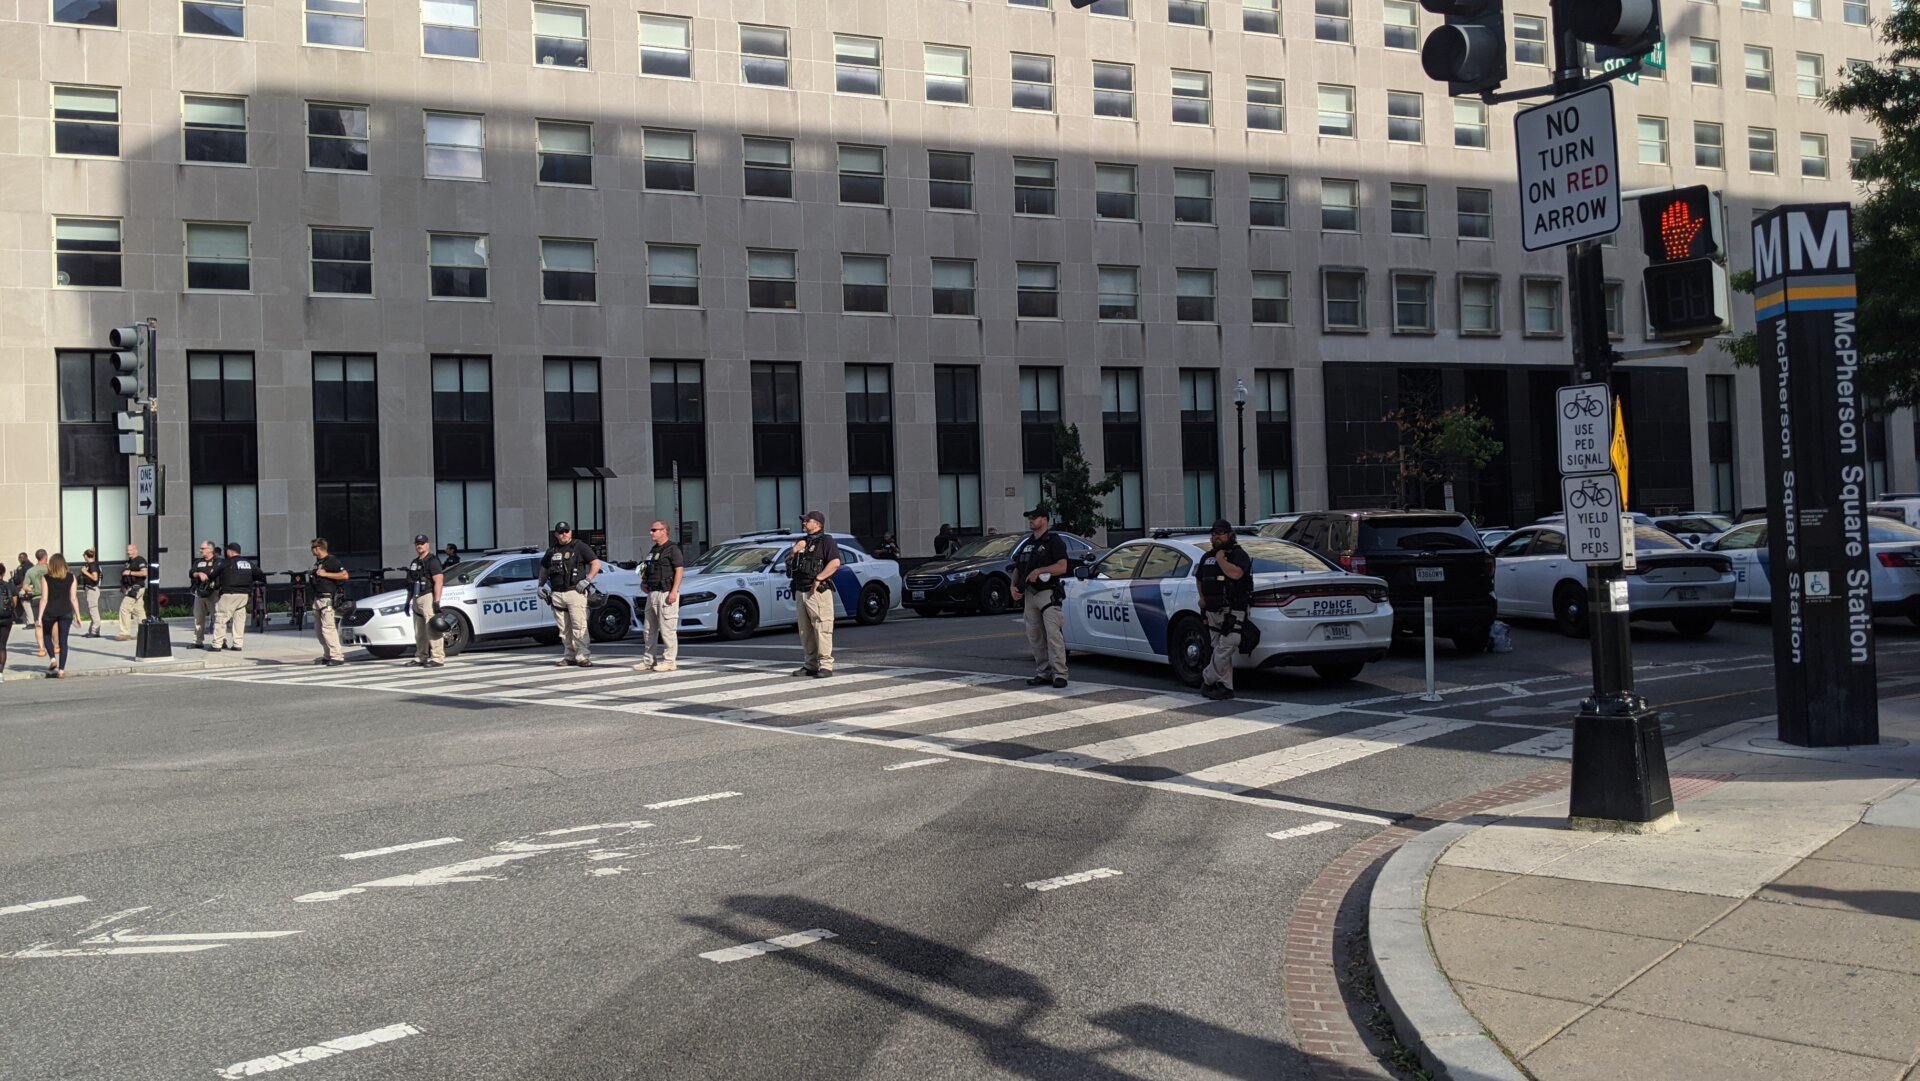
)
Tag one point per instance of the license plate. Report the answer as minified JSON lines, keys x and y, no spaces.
{"x":1340,"y":631}
{"x":917,"y":595}
{"x":1689,"y":594}
{"x":1336,"y":606}
{"x":1429,"y":574}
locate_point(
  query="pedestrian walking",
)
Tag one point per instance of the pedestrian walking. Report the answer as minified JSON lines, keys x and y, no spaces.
{"x":326,"y":579}
{"x":425,"y":580}
{"x":90,"y":594}
{"x":1039,"y":564}
{"x":945,"y":541}
{"x":33,"y":589}
{"x":566,"y":574}
{"x":811,"y":565}
{"x":206,"y":590}
{"x":133,"y":593}
{"x":660,"y":576}
{"x":236,"y":579}
{"x":60,"y":597}
{"x":1225,"y":575}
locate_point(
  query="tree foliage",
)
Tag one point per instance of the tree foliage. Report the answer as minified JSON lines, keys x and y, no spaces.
{"x":1077,"y":502}
{"x":1433,"y":445}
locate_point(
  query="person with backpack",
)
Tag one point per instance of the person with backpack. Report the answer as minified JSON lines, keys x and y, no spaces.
{"x":59,"y":599}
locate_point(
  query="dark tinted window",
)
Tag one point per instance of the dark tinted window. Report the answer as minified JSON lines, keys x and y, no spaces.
{"x":1754,"y":536}
{"x":1887,"y":531}
{"x":1648,"y":539}
{"x":1431,"y":532}
{"x":1516,"y":545}
{"x":1164,"y":562}
{"x":1121,"y":562}
{"x":1269,"y":556}
{"x":1548,"y":543}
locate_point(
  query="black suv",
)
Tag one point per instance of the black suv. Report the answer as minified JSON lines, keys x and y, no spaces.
{"x":977,"y":576}
{"x":1421,"y":553}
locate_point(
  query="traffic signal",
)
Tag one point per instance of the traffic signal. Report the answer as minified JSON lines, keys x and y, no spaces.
{"x":126,"y":342}
{"x":1615,"y":28}
{"x":1469,"y":54}
{"x":1686,"y":283}
{"x":132,"y":431}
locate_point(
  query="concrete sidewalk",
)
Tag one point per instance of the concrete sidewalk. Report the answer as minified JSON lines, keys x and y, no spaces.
{"x":1774,"y":933}
{"x":103,"y":656}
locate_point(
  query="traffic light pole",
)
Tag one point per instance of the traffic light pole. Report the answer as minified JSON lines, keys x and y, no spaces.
{"x":152,"y":641}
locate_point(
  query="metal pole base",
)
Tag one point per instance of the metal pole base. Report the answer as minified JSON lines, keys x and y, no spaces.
{"x":152,"y":641}
{"x":1619,"y":766}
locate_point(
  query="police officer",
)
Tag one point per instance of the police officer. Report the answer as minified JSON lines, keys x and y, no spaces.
{"x":811,"y":565}
{"x":235,"y":580}
{"x":566,"y":572}
{"x":1038,"y":568}
{"x":660,"y":576}
{"x":133,"y":594}
{"x":1226,"y":589}
{"x":425,"y":580}
{"x":328,"y":576}
{"x":205,"y":569}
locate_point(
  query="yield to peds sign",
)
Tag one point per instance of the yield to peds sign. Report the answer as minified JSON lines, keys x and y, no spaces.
{"x":1569,"y":169}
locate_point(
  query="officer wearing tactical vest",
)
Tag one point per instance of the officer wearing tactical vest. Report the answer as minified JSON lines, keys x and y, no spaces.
{"x":661,"y":576}
{"x":424,"y":583}
{"x":811,"y":564}
{"x":1226,"y":589}
{"x":565,"y":572}
{"x":328,"y":576}
{"x":235,"y":579}
{"x":205,"y":590}
{"x":1038,"y":568}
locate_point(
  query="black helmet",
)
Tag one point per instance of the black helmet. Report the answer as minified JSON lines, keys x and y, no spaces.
{"x":441,"y":624}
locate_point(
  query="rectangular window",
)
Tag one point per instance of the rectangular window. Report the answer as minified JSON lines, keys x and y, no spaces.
{"x":559,"y":36}
{"x":1759,"y":62}
{"x":949,"y":75}
{"x":337,"y":137}
{"x":1033,"y":82}
{"x":1413,"y":303}
{"x":1653,"y":140}
{"x":863,"y":283}
{"x":1403,"y":26}
{"x":1035,"y":186}
{"x":1479,"y":304}
{"x":1039,"y":290}
{"x":1113,"y":90}
{"x":87,"y":13}
{"x":576,"y":442}
{"x":763,"y":55}
{"x":1260,"y":16}
{"x":94,"y":516}
{"x":1266,"y":104}
{"x":1192,"y":97}
{"x":1039,"y":417}
{"x":215,"y":129}
{"x":668,"y":159}
{"x":86,"y":121}
{"x":463,"y":450}
{"x":215,"y":19}
{"x":863,"y":175}
{"x":1709,"y":145}
{"x":566,"y":152}
{"x":666,"y":46}
{"x":218,"y":257}
{"x":772,"y":280}
{"x":1762,"y":151}
{"x":223,"y":447}
{"x":1614,"y":293}
{"x":1120,"y":292}
{"x":1194,"y":296}
{"x":1409,"y":209}
{"x":953,"y":287}
{"x":1705,"y":57}
{"x":1193,"y":196}
{"x":1806,"y":9}
{"x":1470,"y":123}
{"x":673,"y":275}
{"x":1267,"y":200}
{"x":956,"y":412}
{"x":342,"y":261}
{"x":457,"y":266}
{"x":1810,"y":74}
{"x":949,"y":180}
{"x":1406,"y":117}
{"x":1855,"y":13}
{"x":777,"y":444}
{"x":1273,"y":439}
{"x":1530,"y":40}
{"x":1333,"y":20}
{"x":1336,"y":110}
{"x":1187,"y":12}
{"x":769,"y":168}
{"x":1116,"y":192}
{"x":1721,"y":442}
{"x":1474,"y":218}
{"x":567,"y":272}
{"x":346,"y":454}
{"x":340,"y":24}
{"x":1272,"y":297}
{"x":1199,"y":447}
{"x":1340,"y":206}
{"x":1344,"y":293}
{"x":1857,"y":148}
{"x":87,"y":253}
{"x":1813,"y":155}
{"x":680,"y":448}
{"x":1121,"y":438}
{"x":1542,"y":296}
{"x":1117,"y":9}
{"x":455,"y":145}
{"x":450,"y":28}
{"x":856,"y":65}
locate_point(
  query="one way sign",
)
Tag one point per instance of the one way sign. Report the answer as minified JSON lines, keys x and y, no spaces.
{"x":146,"y":492}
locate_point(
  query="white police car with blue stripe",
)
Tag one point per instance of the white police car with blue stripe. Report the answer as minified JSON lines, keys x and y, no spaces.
{"x":494,"y":595}
{"x":746,"y":588}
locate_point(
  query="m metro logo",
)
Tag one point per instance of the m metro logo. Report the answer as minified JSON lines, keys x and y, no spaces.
{"x":1803,"y":260}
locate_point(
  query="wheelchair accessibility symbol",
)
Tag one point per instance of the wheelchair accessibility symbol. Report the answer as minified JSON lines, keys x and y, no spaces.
{"x":1819,"y":584}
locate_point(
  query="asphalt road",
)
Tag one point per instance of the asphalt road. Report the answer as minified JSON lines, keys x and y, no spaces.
{"x":352,"y":873}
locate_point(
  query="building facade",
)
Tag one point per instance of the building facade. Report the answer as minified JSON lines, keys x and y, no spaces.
{"x":463,"y":267}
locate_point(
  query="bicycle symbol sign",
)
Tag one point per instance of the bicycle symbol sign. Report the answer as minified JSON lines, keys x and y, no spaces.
{"x":1593,"y":518}
{"x":1586,"y":428}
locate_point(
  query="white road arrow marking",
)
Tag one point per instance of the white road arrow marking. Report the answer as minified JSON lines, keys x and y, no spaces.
{"x":399,"y":848}
{"x":470,"y":870}
{"x":1074,"y":879}
{"x":35,"y":906}
{"x":316,"y":1052}
{"x":197,"y":936}
{"x":1307,"y":830}
{"x":690,"y":799}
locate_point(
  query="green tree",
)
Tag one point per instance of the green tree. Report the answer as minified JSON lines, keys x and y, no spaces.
{"x":1077,"y":502}
{"x":1886,"y":223}
{"x":1432,"y":447}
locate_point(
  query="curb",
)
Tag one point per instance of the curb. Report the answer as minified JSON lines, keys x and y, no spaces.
{"x":1451,"y":1043}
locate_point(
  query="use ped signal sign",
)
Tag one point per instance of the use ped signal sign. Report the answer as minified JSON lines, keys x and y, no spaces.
{"x":1569,"y":169}
{"x":1586,"y":428}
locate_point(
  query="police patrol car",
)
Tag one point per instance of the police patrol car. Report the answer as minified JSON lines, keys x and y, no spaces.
{"x":1141,"y":600}
{"x":493,"y":595}
{"x":746,"y":588}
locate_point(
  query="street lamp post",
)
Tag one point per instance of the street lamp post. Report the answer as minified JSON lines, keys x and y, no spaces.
{"x":1240,"y":433}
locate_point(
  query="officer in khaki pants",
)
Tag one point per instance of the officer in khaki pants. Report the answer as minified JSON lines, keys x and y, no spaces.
{"x":328,"y":576}
{"x":133,"y":594}
{"x":661,"y":576}
{"x":1039,"y":563}
{"x":205,"y":591}
{"x":236,"y":578}
{"x":424,"y":583}
{"x":811,"y":564}
{"x":566,"y":573}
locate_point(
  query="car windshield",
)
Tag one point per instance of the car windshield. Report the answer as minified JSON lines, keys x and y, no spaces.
{"x":1270,"y":556}
{"x":740,"y":560}
{"x":1648,"y":538}
{"x":467,"y":570}
{"x":1430,"y":532}
{"x":994,"y":547}
{"x":1888,"y":531}
{"x":1715,"y":522}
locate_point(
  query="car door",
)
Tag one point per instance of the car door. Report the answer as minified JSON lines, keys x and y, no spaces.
{"x":1163,"y":588}
{"x":1102,"y":614}
{"x":1509,"y":575}
{"x":1546,"y":566}
{"x":1744,"y":545}
{"x":506,"y":599}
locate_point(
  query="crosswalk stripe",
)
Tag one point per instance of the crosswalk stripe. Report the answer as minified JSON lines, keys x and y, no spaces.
{"x":985,"y":703}
{"x":1158,"y":741}
{"x":1546,"y":745}
{"x":737,"y":682}
{"x":1266,"y":770}
{"x":855,"y":698}
{"x":1024,"y":727}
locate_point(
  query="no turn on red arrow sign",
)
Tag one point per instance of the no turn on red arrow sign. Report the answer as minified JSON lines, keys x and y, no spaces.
{"x":1569,"y":169}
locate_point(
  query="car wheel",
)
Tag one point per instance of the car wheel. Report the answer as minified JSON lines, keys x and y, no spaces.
{"x":388,"y":653}
{"x":460,"y":637}
{"x":1339,"y":673}
{"x":738,"y":617}
{"x":1570,"y":610}
{"x":1187,"y":650}
{"x":610,"y":622}
{"x":1694,"y":626}
{"x":993,"y":595}
{"x":1475,"y":641}
{"x":873,"y":605}
{"x":925,"y":612}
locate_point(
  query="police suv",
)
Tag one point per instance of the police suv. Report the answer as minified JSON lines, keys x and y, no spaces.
{"x":746,"y":588}
{"x":1142,"y":600}
{"x":493,"y":595}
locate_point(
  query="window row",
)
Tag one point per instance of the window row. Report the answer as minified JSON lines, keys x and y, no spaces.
{"x":1763,"y":148}
{"x":1757,"y":68}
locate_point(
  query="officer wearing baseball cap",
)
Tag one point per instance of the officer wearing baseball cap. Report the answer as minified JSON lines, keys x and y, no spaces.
{"x":1040,"y":563}
{"x":1225,"y":575}
{"x":811,"y":564}
{"x":566,"y":573}
{"x":425,"y":580}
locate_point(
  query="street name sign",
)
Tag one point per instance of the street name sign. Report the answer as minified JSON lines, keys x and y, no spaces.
{"x":1586,"y":423}
{"x":1654,"y":58}
{"x":1569,"y":169}
{"x":146,"y":491}
{"x":1593,"y":518}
